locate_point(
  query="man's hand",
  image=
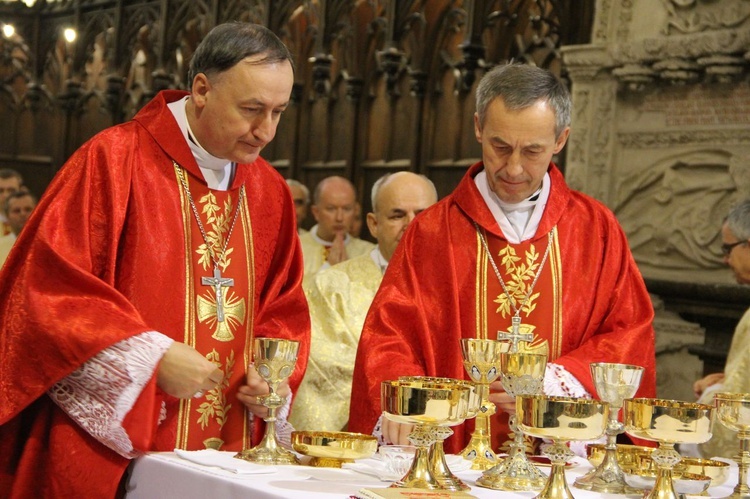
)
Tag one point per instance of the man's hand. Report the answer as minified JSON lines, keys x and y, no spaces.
{"x":700,"y":386}
{"x":395,"y":433}
{"x":337,"y":253}
{"x":501,"y":399}
{"x":183,"y":372}
{"x":256,"y":386}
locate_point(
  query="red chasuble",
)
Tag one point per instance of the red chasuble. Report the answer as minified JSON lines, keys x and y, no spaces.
{"x":114,"y":250}
{"x":590,"y":303}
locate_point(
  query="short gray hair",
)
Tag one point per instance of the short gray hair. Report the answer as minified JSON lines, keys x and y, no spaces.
{"x":738,"y":220}
{"x":521,"y":86}
{"x":296,"y":183}
{"x":379,"y":183}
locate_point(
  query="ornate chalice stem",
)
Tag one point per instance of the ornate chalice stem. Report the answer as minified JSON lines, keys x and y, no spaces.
{"x":479,"y":450}
{"x":438,"y":466}
{"x":556,"y":486}
{"x":743,"y":463}
{"x":419,"y":475}
{"x":665,"y":458}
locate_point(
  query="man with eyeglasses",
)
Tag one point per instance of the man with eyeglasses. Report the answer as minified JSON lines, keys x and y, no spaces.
{"x":735,"y":247}
{"x":301,"y":198}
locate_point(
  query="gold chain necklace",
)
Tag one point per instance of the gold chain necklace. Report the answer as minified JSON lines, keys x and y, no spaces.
{"x":216,"y":281}
{"x":515,"y":334}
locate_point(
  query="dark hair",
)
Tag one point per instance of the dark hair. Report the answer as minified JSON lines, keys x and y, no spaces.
{"x":521,"y":86}
{"x":17,"y":195}
{"x":228,"y":44}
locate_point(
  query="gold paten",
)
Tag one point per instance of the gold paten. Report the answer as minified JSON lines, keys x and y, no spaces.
{"x":733,"y":411}
{"x":667,"y":422}
{"x":614,"y":383}
{"x":482,"y":362}
{"x":521,"y":374}
{"x":329,"y":449}
{"x":431,"y":406}
{"x":274,"y":359}
{"x":560,"y":419}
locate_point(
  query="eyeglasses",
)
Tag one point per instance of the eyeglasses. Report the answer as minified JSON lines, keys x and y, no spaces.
{"x":727,"y":248}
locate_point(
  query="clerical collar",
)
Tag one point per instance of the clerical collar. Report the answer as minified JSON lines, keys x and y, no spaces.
{"x":379,"y":259}
{"x":216,"y":171}
{"x":518,"y":221}
{"x":316,"y":237}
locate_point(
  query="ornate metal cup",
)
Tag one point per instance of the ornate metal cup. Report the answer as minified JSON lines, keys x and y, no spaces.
{"x":429,"y":406}
{"x":274,"y":359}
{"x":328,"y":449}
{"x":482,"y":362}
{"x":521,"y":374}
{"x":614,"y":383}
{"x":733,"y":411}
{"x":438,"y":466}
{"x":561,"y":419}
{"x":667,"y":422}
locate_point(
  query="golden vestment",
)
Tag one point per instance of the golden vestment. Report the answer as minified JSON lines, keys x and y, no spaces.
{"x":339,"y":299}
{"x":6,"y":243}
{"x":315,"y":254}
{"x":724,"y":441}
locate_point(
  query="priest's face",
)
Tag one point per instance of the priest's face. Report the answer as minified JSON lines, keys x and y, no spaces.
{"x":736,"y":255}
{"x":334,"y":209}
{"x":402,"y":198}
{"x":19,"y":211}
{"x":234,"y":114}
{"x":517,"y":147}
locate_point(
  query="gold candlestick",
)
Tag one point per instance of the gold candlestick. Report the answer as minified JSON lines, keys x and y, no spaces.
{"x":667,"y":422}
{"x":614,"y":383}
{"x":561,"y":419}
{"x":482,"y":362}
{"x":733,"y":411}
{"x":274,"y":360}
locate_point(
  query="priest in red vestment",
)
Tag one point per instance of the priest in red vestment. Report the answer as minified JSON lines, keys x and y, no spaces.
{"x":129,"y":306}
{"x":511,"y":241}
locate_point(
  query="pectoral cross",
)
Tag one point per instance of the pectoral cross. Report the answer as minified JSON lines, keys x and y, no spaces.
{"x":515,"y":335}
{"x":217,"y":282}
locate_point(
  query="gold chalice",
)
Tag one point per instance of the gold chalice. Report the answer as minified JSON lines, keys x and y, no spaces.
{"x":561,"y":419}
{"x":438,"y":466}
{"x":482,"y":362}
{"x":667,"y":422}
{"x":521,"y":374}
{"x":274,"y":360}
{"x":329,"y":449}
{"x":614,"y":383}
{"x":429,"y":406}
{"x":733,"y":411}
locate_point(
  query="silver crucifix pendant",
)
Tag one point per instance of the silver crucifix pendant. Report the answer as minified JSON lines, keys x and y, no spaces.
{"x":217,"y":282}
{"x":515,"y":335}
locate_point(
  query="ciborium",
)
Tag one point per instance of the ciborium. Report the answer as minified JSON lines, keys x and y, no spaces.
{"x":438,"y":465}
{"x":329,"y":449}
{"x":668,"y":422}
{"x":429,"y":406}
{"x":560,"y":419}
{"x":482,"y":363}
{"x":614,"y":383}
{"x":521,"y":374}
{"x":274,"y":360}
{"x":733,"y":411}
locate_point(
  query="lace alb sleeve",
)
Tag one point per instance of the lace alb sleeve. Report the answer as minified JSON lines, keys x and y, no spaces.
{"x":100,"y":393}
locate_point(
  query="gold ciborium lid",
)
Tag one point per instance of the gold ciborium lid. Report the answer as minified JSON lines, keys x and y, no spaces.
{"x":331,"y":448}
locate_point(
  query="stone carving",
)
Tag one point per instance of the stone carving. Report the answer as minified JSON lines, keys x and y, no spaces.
{"x":692,"y":16}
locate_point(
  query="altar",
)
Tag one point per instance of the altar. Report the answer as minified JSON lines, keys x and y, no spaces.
{"x":166,"y":475}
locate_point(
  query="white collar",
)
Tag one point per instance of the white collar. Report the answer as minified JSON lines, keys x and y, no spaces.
{"x":216,"y":171}
{"x":527,"y":214}
{"x":316,"y":237}
{"x":379,"y":259}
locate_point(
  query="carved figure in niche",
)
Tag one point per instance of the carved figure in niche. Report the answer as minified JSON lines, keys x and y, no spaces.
{"x":58,"y":66}
{"x":671,"y":210}
{"x":142,"y":65}
{"x":96,"y":67}
{"x":14,"y":65}
{"x":189,"y":38}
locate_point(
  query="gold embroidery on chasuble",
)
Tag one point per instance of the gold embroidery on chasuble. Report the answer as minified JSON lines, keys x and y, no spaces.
{"x":217,"y":420}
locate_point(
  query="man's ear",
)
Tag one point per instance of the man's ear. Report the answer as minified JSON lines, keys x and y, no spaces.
{"x":561,"y":140}
{"x":477,"y":128}
{"x":314,"y":211}
{"x":372,"y":224}
{"x":200,"y":89}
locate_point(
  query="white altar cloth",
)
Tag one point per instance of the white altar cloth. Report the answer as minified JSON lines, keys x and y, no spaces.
{"x":165,"y":475}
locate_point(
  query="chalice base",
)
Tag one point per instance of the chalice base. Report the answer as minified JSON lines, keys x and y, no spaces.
{"x":268,"y":451}
{"x":515,"y":472}
{"x":441,"y":472}
{"x":607,"y":478}
{"x":419,"y":475}
{"x":479,"y":452}
{"x":327,"y":462}
{"x":556,"y":486}
{"x":663,"y":488}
